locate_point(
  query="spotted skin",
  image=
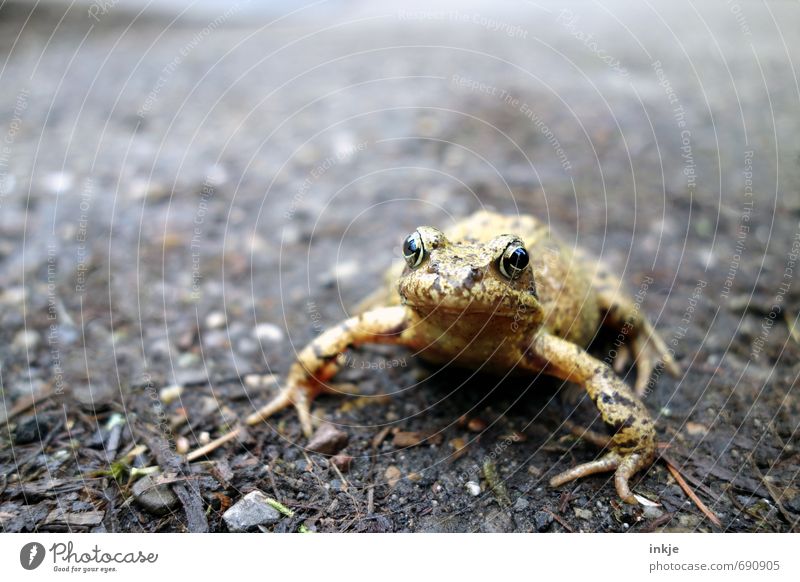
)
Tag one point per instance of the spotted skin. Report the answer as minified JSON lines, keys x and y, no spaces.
{"x":458,"y":307}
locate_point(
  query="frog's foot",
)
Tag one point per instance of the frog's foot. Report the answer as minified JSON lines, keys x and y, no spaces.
{"x":622,"y":359}
{"x":300,"y":395}
{"x":320,"y":360}
{"x":632,"y":442}
{"x":624,"y":467}
{"x":649,"y":351}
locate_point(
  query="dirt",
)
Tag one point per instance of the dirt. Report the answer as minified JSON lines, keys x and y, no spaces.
{"x":186,"y":205}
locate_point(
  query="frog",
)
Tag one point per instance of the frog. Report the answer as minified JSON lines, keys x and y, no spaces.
{"x":502,"y":294}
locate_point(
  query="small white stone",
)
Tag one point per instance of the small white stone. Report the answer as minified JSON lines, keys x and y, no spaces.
{"x":215,"y":320}
{"x":268,"y":332}
{"x":182,"y":445}
{"x":473,"y":488}
{"x":217,"y":175}
{"x":170,"y":393}
{"x":58,"y":182}
{"x":26,"y":339}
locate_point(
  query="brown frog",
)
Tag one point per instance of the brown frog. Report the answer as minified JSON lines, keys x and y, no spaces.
{"x":499,"y":293}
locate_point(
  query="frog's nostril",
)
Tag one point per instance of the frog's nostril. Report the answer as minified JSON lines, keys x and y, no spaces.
{"x":472,"y":276}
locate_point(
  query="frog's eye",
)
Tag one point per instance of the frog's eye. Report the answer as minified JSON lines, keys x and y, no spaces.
{"x":413,"y":250}
{"x":513,"y":261}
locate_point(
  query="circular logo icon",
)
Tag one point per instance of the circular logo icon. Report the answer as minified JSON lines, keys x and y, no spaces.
{"x":31,"y":555}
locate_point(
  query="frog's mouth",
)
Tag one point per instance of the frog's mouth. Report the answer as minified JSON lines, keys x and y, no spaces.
{"x":469,"y":309}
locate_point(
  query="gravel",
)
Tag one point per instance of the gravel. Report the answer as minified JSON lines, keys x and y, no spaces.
{"x":249,"y":513}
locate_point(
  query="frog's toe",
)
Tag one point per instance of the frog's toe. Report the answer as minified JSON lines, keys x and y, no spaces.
{"x":293,"y":395}
{"x":644,"y":365}
{"x":628,"y":466}
{"x":604,"y":464}
{"x":624,"y":467}
{"x":622,"y":358}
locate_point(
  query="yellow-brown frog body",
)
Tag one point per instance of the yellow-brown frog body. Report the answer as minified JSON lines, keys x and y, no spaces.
{"x":468,"y":313}
{"x":497,"y":293}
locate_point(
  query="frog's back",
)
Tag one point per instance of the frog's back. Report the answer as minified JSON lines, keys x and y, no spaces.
{"x":564,"y":289}
{"x":563,"y":284}
{"x":484,"y":225}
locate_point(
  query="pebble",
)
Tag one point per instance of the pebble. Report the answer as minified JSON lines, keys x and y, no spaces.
{"x":252,"y":511}
{"x":94,"y":397}
{"x":268,"y":332}
{"x":652,"y":512}
{"x":153,"y":497}
{"x":542,"y":520}
{"x":215,"y":320}
{"x":476,"y":425}
{"x":32,"y":430}
{"x":170,"y":394}
{"x":392,"y":475}
{"x":27,"y":340}
{"x":260,"y":380}
{"x":342,"y":462}
{"x":182,"y":445}
{"x":328,"y":440}
{"x":473,"y":488}
{"x":59,"y":182}
{"x":215,"y":340}
{"x":521,"y":504}
{"x":583,"y":513}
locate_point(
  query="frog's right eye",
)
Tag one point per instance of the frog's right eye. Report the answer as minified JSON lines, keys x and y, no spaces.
{"x":413,"y":250}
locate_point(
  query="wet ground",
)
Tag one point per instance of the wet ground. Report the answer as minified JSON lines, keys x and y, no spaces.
{"x":185,"y":203}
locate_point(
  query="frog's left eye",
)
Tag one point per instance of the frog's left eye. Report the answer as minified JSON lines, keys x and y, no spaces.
{"x":413,"y":250}
{"x":513,"y":261}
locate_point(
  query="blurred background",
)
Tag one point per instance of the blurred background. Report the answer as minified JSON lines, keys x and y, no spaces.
{"x":190,"y":191}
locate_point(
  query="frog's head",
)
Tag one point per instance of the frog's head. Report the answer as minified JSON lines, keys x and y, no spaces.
{"x":493,"y":278}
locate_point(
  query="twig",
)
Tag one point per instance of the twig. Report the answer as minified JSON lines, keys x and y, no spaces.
{"x":560,"y":520}
{"x":688,"y":476}
{"x":25,"y":403}
{"x":213,"y":445}
{"x":345,"y":484}
{"x":656,"y":523}
{"x":272,"y":482}
{"x":691,"y":494}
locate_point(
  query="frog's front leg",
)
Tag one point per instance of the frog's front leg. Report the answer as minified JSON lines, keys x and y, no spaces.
{"x":633,"y":441}
{"x":320,"y":360}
